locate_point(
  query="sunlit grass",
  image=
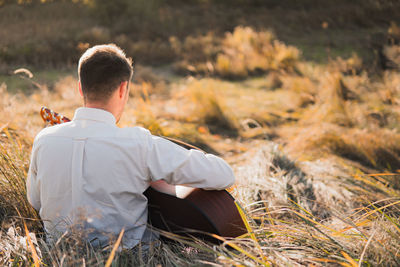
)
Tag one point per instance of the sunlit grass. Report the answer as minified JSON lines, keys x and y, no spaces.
{"x":14,"y":163}
{"x":287,"y":233}
{"x":240,"y":54}
{"x":324,"y":191}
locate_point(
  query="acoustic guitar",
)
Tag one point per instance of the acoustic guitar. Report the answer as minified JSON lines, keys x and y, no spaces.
{"x":180,"y":209}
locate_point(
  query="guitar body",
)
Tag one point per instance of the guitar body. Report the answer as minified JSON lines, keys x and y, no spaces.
{"x":201,"y":211}
{"x":194,"y":212}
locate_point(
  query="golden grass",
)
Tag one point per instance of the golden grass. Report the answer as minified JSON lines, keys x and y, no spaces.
{"x":377,"y":149}
{"x":240,"y":54}
{"x":337,"y":204}
{"x":14,"y":163}
{"x":300,"y":230}
{"x":245,"y":51}
{"x":209,"y":107}
{"x":146,"y":118}
{"x":36,"y":259}
{"x":115,"y":247}
{"x":331,"y":105}
{"x":296,"y":236}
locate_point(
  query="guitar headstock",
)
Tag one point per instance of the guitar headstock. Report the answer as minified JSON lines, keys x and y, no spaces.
{"x":52,"y":117}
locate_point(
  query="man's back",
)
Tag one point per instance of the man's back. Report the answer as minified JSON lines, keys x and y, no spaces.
{"x":89,"y":173}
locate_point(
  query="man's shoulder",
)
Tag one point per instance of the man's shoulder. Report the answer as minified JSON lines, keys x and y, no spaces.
{"x":51,"y":131}
{"x":70,"y":130}
{"x":135,"y":131}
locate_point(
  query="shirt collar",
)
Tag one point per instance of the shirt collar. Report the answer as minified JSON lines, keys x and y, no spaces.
{"x":94,"y":114}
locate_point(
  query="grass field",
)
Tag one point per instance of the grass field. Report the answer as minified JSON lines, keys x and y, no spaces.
{"x":313,"y":138}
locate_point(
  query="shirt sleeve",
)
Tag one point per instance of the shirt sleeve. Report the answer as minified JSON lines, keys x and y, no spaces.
{"x":32,"y":183}
{"x":177,"y":165}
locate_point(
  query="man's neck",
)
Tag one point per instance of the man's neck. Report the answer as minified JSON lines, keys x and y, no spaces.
{"x":101,"y":106}
{"x":114,"y":104}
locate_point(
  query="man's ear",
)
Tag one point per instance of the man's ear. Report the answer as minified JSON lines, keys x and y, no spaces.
{"x":123,"y":87}
{"x":80,"y":88}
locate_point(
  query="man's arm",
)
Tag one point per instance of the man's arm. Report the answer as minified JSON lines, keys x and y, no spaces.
{"x":32,"y":183}
{"x":177,"y":165}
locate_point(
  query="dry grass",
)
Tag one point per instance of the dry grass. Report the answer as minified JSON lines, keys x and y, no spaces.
{"x":377,"y":149}
{"x":333,"y":210}
{"x":288,"y":224}
{"x":14,"y":163}
{"x":336,"y":204}
{"x":209,"y":108}
{"x":309,"y":218}
{"x":246,"y":52}
{"x":240,"y":54}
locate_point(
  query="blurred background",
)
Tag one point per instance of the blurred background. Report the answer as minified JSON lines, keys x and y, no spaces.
{"x":260,"y":69}
{"x":155,"y":32}
{"x":301,"y":97}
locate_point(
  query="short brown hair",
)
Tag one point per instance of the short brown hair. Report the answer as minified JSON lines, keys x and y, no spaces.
{"x":101,"y":70}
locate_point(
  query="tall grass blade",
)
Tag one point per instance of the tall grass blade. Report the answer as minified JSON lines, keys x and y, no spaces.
{"x":379,"y":209}
{"x":35,"y":256}
{"x":250,"y":231}
{"x":396,"y":225}
{"x":352,"y":262}
{"x":116,"y":245}
{"x":365,"y":248}
{"x":242,"y":251}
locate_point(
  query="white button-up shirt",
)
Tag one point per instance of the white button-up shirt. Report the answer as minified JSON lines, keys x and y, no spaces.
{"x":91,"y":173}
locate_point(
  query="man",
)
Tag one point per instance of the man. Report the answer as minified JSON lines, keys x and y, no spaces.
{"x":91,"y":175}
